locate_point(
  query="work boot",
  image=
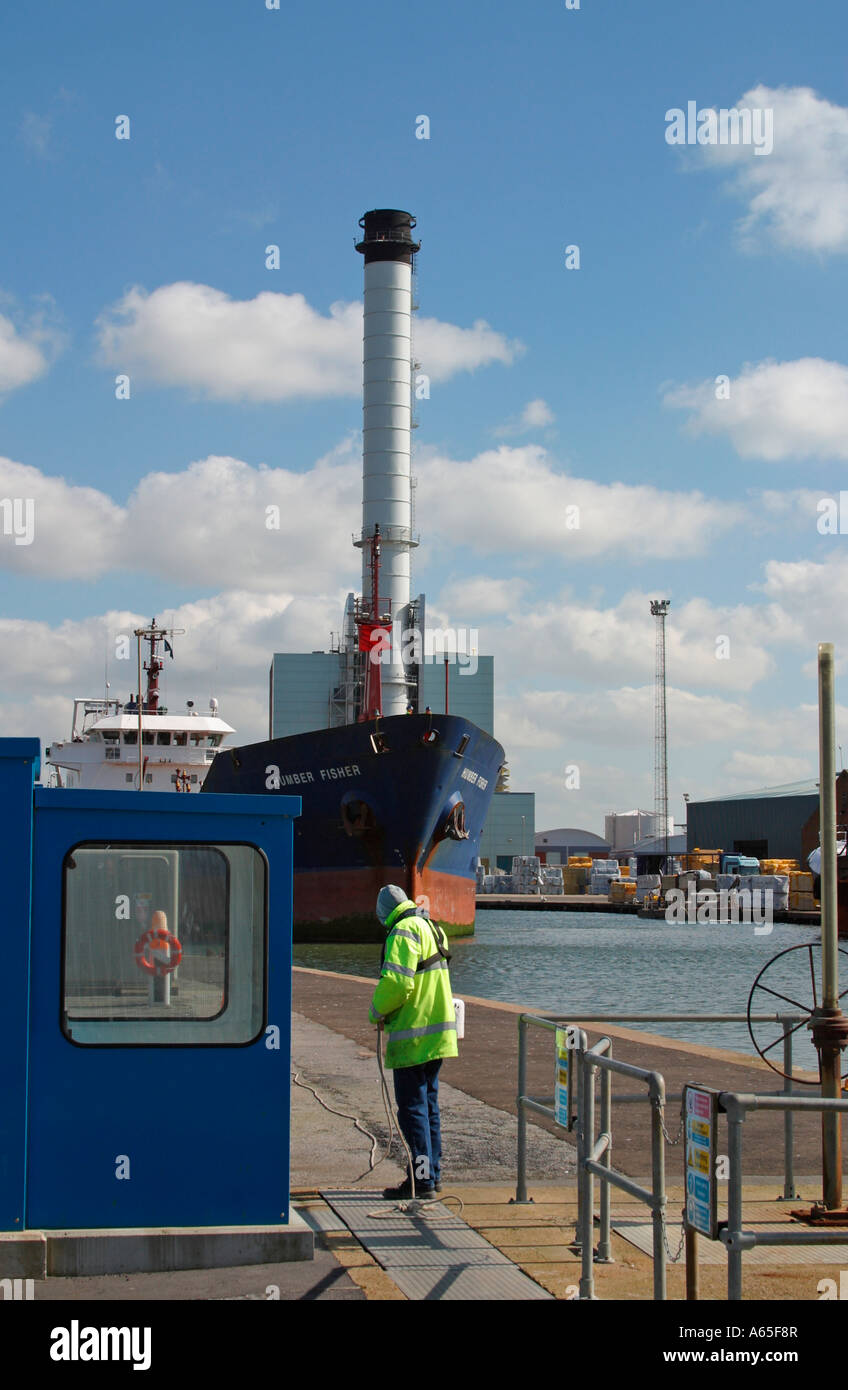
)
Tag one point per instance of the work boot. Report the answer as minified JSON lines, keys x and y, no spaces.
{"x":403,"y":1193}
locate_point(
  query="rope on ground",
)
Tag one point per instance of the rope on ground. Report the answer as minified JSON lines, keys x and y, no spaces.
{"x":375,"y":1143}
{"x":413,"y":1208}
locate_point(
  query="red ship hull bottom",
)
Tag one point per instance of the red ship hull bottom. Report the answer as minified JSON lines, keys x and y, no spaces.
{"x":335,"y":905}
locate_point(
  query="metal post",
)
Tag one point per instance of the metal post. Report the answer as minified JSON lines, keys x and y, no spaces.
{"x":521,"y":1177}
{"x":735,"y":1120}
{"x":576,"y":1061}
{"x":692,"y":1287}
{"x":789,"y":1191}
{"x":140,"y":739}
{"x":605,"y":1243}
{"x":657,"y":1093}
{"x":830,"y":1053}
{"x":587,"y":1290}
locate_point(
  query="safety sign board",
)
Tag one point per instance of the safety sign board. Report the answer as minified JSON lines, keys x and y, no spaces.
{"x":700,"y":1111}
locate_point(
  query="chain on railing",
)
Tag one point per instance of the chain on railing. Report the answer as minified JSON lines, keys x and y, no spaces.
{"x":668,"y":1139}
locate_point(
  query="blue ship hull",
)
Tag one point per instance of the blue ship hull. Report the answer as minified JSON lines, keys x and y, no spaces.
{"x":402,"y":800}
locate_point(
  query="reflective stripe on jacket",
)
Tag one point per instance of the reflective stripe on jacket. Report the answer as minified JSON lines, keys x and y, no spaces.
{"x":414,"y":995}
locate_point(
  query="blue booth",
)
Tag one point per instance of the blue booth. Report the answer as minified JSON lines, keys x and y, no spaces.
{"x":145,"y":1004}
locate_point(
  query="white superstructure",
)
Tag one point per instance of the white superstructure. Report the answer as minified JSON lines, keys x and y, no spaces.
{"x":102,"y":751}
{"x":118,"y":746}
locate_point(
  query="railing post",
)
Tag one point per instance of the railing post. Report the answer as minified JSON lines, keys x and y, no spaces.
{"x":657,"y":1094}
{"x":735,"y":1120}
{"x":585,"y":1140}
{"x":789,"y":1191}
{"x":693,"y":1291}
{"x":521,"y":1175}
{"x":577,"y":1063}
{"x":604,"y":1243}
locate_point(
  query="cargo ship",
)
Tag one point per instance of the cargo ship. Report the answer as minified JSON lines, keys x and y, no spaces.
{"x":390,"y":793}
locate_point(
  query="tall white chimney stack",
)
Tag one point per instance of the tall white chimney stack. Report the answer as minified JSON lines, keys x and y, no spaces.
{"x":388,"y":248}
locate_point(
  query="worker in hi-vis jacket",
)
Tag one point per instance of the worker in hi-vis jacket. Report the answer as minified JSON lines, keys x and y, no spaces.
{"x":414,"y":1005}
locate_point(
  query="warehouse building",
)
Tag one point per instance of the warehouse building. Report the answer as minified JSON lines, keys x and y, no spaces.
{"x":555,"y":846}
{"x":766,"y":824}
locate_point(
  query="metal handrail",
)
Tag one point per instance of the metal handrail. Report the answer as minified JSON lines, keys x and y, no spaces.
{"x":544,"y":1105}
{"x":594,"y":1158}
{"x":737,"y":1105}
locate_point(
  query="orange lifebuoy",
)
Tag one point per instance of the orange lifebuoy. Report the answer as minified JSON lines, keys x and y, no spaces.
{"x":158,"y":938}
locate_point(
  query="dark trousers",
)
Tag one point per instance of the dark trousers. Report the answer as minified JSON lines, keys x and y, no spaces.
{"x":417,"y":1096}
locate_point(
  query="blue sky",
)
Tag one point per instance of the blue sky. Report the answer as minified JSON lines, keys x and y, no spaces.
{"x":251,"y":127}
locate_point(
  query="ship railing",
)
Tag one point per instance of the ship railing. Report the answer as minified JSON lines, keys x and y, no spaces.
{"x":577,"y":1107}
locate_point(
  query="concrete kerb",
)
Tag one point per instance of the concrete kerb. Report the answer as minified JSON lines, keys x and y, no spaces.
{"x":65,"y":1254}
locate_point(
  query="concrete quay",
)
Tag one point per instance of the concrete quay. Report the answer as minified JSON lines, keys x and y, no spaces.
{"x":334,"y":1054}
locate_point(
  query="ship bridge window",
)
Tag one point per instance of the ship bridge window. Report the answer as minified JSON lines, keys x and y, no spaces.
{"x":197,"y":740}
{"x":181,"y":739}
{"x":163,"y":739}
{"x":147,"y":737}
{"x":215,"y":740}
{"x":131,"y":738}
{"x":183,"y":963}
{"x":111,"y":736}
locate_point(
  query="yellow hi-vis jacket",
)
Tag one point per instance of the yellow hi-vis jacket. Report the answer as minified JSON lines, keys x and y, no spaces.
{"x":413,"y":997}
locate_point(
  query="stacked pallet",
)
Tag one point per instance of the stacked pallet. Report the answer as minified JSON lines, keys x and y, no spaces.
{"x":552,"y":878}
{"x":575,"y":877}
{"x":707,"y":860}
{"x":526,"y":876}
{"x":622,"y":890}
{"x":648,"y":887}
{"x":604,"y":872}
{"x":779,"y":866}
{"x":801,"y":897}
{"x":760,"y":884}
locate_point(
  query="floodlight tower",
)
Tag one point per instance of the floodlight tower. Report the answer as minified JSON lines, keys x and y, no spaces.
{"x":659,"y":609}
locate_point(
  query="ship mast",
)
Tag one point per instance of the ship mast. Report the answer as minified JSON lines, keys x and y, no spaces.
{"x":152,"y":635}
{"x":374,"y":638}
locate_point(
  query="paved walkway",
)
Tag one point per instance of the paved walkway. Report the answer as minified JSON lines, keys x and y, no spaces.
{"x":333,"y":1051}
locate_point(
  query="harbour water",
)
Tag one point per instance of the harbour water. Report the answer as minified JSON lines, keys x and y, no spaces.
{"x":565,"y":962}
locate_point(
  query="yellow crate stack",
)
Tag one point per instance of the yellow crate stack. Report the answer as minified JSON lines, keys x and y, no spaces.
{"x":620,"y":891}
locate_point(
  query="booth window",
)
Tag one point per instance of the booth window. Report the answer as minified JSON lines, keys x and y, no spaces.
{"x":164,"y":945}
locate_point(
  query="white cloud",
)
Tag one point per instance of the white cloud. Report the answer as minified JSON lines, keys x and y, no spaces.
{"x":520,"y":505}
{"x":272,"y":348}
{"x":775,"y":410}
{"x":225,"y":651}
{"x":754,"y":770}
{"x":797,"y":195}
{"x":808,"y":597}
{"x":535,"y":415}
{"x":517,"y":500}
{"x":205,"y":525}
{"x":480,"y":595}
{"x":716,"y":745}
{"x":22,"y":358}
